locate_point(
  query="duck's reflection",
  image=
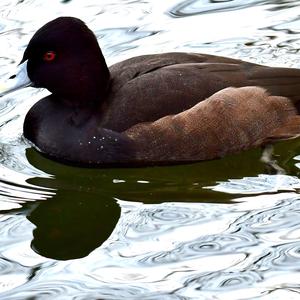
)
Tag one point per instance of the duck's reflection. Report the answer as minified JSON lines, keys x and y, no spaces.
{"x":77,"y":219}
{"x":72,"y":224}
{"x":83,"y":212}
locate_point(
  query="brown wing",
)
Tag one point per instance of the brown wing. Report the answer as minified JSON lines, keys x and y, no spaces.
{"x":149,"y":87}
{"x":231,"y":120}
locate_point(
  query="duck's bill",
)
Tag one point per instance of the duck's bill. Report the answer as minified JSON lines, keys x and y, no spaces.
{"x":17,"y":81}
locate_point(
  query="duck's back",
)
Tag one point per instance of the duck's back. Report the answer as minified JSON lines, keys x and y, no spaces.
{"x":146,"y":88}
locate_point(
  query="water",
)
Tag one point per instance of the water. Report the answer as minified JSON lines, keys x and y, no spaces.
{"x":225,"y":229}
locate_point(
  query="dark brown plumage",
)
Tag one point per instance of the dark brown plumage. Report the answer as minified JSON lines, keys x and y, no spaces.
{"x":231,"y":120}
{"x":151,"y":109}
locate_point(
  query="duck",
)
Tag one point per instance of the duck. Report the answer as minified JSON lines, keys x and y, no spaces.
{"x":156,"y":109}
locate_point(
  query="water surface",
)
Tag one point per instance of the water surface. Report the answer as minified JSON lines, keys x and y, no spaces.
{"x":224,"y":229}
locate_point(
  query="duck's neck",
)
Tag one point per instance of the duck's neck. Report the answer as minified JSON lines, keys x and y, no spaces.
{"x":91,"y":86}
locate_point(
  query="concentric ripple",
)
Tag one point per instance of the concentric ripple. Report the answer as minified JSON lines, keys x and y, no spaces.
{"x":195,"y":7}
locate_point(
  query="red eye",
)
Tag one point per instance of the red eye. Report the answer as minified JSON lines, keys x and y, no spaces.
{"x":49,"y":56}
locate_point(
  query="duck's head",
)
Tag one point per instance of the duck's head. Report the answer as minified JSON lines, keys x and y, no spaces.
{"x":64,"y":57}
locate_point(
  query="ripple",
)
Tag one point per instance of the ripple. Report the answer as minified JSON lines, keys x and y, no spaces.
{"x":6,"y":106}
{"x":287,"y":292}
{"x":203,"y":247}
{"x":15,"y":170}
{"x":12,"y":193}
{"x":8,"y":266}
{"x":74,"y":289}
{"x":284,"y":215}
{"x":118,"y":40}
{"x":283,"y":257}
{"x":201,"y":237}
{"x":13,"y":236}
{"x":161,"y":218}
{"x":44,"y":290}
{"x":225,"y":280}
{"x":256,"y":185}
{"x":226,"y":243}
{"x":196,"y":7}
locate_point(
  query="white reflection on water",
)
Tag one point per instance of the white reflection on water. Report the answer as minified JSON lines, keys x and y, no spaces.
{"x":151,"y":19}
{"x":239,"y":251}
{"x":260,"y":184}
